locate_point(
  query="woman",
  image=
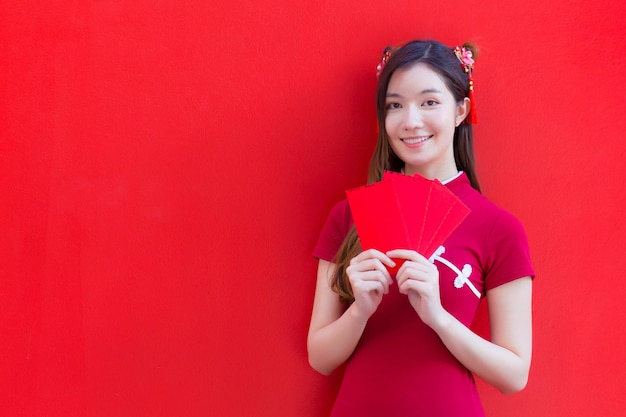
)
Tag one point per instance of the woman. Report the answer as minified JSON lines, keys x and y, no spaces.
{"x":405,"y":338}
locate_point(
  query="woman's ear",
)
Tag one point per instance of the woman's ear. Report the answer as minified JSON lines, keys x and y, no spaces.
{"x":462,"y":110}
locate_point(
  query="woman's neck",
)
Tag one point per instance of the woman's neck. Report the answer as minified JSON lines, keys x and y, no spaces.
{"x":442,"y":175}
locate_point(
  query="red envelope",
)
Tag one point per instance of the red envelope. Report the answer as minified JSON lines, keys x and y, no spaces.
{"x":405,"y":212}
{"x":445,"y":213}
{"x":377,"y":216}
{"x":412,"y":195}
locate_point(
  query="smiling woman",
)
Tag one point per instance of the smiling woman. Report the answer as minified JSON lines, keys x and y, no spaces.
{"x":423,"y":102}
{"x":422,"y":115}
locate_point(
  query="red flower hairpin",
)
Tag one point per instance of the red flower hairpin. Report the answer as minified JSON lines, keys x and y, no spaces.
{"x":467,"y":61}
{"x":383,"y":60}
{"x":465,"y":56}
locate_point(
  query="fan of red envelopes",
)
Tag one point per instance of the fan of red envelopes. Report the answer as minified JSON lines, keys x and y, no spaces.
{"x":405,"y":212}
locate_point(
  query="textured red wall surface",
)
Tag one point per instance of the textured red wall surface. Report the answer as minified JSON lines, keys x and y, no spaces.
{"x":165,"y":167}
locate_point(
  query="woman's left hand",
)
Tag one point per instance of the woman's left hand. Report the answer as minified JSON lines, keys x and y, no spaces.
{"x":419,"y":280}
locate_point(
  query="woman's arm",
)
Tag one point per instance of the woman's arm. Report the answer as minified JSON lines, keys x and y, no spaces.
{"x":335,"y":331}
{"x":504,"y":362}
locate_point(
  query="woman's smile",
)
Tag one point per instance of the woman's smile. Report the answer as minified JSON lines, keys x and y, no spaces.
{"x":415,"y":140}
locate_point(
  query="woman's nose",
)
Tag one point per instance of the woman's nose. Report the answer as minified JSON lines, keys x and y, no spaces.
{"x":412,"y":119}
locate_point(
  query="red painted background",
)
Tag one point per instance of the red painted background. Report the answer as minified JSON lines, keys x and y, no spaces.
{"x":165,"y":167}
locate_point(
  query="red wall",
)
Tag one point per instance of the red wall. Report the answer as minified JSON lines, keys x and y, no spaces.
{"x":165,"y":168}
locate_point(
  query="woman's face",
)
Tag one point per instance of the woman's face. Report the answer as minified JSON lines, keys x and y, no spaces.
{"x":421,"y":116}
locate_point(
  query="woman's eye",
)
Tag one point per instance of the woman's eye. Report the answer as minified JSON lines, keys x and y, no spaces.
{"x":393,"y":106}
{"x":430,"y":103}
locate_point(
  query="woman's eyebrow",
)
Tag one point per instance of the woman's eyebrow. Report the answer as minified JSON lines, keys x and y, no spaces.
{"x":426,"y":91}
{"x":430,"y":90}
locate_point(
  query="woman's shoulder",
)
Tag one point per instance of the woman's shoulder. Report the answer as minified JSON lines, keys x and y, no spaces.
{"x":341,"y":215}
{"x":500,"y":236}
{"x":492,"y":215}
{"x":486,"y":217}
{"x":334,"y":231}
{"x":477,"y":202}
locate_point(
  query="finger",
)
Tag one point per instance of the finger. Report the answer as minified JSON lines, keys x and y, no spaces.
{"x":423,"y":288}
{"x":366,"y":264}
{"x":370,"y":276}
{"x":414,"y":270}
{"x":362,"y":286}
{"x":375,"y":254}
{"x":408,"y":254}
{"x":370,"y":264}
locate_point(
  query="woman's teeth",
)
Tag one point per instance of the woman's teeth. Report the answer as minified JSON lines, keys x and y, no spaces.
{"x":413,"y":141}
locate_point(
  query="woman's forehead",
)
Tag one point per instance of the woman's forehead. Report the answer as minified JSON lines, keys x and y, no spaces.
{"x":418,"y":78}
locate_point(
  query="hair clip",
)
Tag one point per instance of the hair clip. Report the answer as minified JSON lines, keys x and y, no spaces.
{"x":467,"y":61}
{"x":383,"y":60}
{"x":465,"y":56}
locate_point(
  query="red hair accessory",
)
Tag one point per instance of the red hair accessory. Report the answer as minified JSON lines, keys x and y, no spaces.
{"x":465,"y":56}
{"x":383,"y":60}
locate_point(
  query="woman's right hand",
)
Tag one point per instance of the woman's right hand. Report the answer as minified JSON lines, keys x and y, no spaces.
{"x":370,"y":280}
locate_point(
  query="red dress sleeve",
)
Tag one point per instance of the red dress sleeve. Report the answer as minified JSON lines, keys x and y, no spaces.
{"x":333,"y":233}
{"x":508,"y":254}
